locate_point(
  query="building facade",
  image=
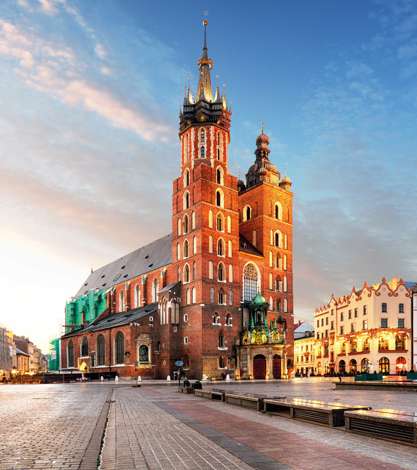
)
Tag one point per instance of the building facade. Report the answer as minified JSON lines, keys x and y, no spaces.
{"x":368,"y":330}
{"x":215,"y":294}
{"x":305,"y":345}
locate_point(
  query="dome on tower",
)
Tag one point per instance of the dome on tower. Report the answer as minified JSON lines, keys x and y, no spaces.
{"x":262,"y":139}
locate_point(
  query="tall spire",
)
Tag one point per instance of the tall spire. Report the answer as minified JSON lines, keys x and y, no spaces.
{"x":204,"y":90}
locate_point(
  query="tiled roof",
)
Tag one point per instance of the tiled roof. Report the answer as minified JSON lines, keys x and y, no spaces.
{"x":144,"y":259}
{"x":117,"y":319}
{"x":247,"y":247}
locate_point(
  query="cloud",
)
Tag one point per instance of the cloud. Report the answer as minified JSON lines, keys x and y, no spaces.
{"x":48,"y":6}
{"x":100,"y":50}
{"x":55,"y":70}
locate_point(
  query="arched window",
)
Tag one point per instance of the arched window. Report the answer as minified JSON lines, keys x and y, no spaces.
{"x":219,"y":145}
{"x":219,"y":222}
{"x":210,"y":244}
{"x":229,"y":224}
{"x":194,"y":245}
{"x":278,"y":211}
{"x":222,"y":297}
{"x":212,"y":295}
{"x":342,"y":366}
{"x":121,"y":301}
{"x":210,"y":219}
{"x":365,"y":365}
{"x":277,"y":238}
{"x":384,"y":308}
{"x":202,"y":136}
{"x":384,"y":365}
{"x":221,"y":340}
{"x":137,"y":295}
{"x":222,"y":362}
{"x":185,"y":223}
{"x":186,"y":250}
{"x":401,"y":365}
{"x":353,"y":366}
{"x":229,"y":248}
{"x":155,"y":290}
{"x":203,"y":152}
{"x":178,"y":251}
{"x":186,"y":273}
{"x":220,"y":247}
{"x":186,"y":200}
{"x":70,"y":353}
{"x":188,"y":297}
{"x":247,"y":213}
{"x":251,"y":282}
{"x":210,"y":265}
{"x":84,"y":347}
{"x":228,"y":320}
{"x":193,"y":221}
{"x":278,"y":261}
{"x":120,"y":348}
{"x":193,"y":295}
{"x":219,"y":198}
{"x":216,"y":319}
{"x":179,"y":224}
{"x":101,"y":350}
{"x":143,"y":353}
{"x":187,"y":178}
{"x":230,"y":273}
{"x":194,"y":271}
{"x":220,"y":273}
{"x":219,"y":175}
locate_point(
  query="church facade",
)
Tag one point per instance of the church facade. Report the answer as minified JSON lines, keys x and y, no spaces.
{"x":217,"y":293}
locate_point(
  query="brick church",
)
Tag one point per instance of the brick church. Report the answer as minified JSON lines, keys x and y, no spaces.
{"x":216,"y":293}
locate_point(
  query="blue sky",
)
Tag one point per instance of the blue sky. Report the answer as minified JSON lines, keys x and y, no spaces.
{"x":90,"y":93}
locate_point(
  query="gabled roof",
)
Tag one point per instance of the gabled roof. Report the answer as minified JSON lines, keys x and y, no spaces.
{"x":247,"y":247}
{"x":144,"y":259}
{"x":116,"y":319}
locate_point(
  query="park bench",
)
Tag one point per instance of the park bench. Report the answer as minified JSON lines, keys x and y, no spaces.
{"x":329,"y":414}
{"x":211,"y":394}
{"x":247,"y":400}
{"x":392,"y":425}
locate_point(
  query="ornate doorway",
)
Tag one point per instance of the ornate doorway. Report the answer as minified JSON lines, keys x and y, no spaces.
{"x":276,"y":366}
{"x":259,"y":366}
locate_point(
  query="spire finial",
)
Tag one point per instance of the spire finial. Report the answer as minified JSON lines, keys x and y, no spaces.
{"x":205,"y":23}
{"x":262,"y":127}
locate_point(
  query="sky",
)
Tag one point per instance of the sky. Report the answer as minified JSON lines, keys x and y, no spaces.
{"x":90,"y":93}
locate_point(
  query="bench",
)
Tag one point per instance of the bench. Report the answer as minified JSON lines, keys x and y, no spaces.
{"x":392,"y":425}
{"x":329,"y":414}
{"x":211,"y":394}
{"x":247,"y":400}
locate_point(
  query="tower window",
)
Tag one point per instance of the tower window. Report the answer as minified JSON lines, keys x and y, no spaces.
{"x":247,"y":213}
{"x":202,"y":136}
{"x":278,"y":211}
{"x":220,"y":273}
{"x":186,"y":273}
{"x":277,"y":239}
{"x":187,"y":178}
{"x":219,"y":198}
{"x":186,"y":227}
{"x":186,"y":201}
{"x":186,"y":249}
{"x":220,"y":247}
{"x":219,"y":176}
{"x":219,"y":222}
{"x":203,"y":152}
{"x":251,"y":282}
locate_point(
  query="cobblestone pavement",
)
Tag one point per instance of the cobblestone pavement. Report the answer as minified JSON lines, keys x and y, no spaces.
{"x":47,"y":426}
{"x":154,"y":427}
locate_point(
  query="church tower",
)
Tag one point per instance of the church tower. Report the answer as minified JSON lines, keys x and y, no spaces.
{"x":205,"y":227}
{"x":265,"y":205}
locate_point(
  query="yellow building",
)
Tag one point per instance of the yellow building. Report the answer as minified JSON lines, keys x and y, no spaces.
{"x":304,"y":355}
{"x":366,"y":330}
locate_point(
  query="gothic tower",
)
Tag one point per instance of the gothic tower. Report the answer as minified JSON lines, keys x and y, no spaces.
{"x":265,"y":205}
{"x":205,"y":227}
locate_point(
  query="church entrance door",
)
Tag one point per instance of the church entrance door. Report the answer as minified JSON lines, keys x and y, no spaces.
{"x":276,"y":366}
{"x":259,"y":367}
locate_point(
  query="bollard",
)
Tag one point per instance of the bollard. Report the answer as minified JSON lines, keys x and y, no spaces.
{"x":227,"y":378}
{"x":139,"y":379}
{"x":102,"y":379}
{"x":168,"y":378}
{"x":116,"y":379}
